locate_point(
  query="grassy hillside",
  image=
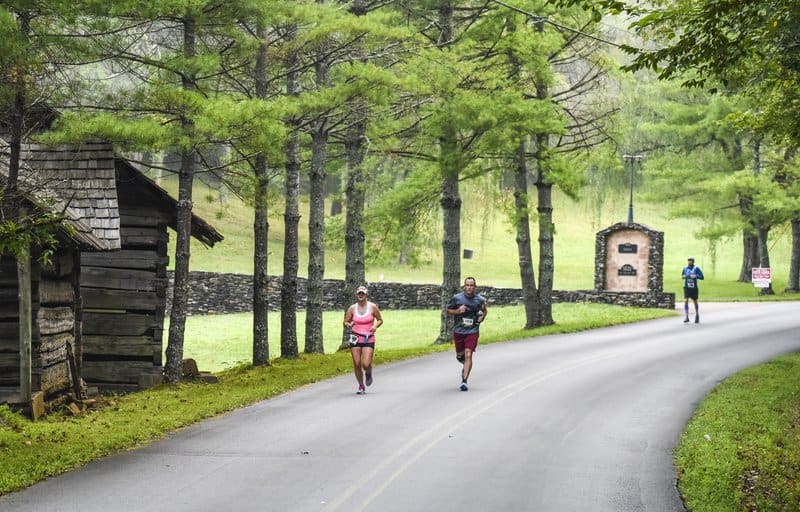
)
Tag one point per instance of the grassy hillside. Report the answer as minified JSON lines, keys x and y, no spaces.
{"x":494,"y":260}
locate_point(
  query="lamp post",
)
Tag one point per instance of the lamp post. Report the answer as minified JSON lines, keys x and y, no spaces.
{"x":631,"y":160}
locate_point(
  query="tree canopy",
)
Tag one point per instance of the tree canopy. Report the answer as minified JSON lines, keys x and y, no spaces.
{"x":753,"y":47}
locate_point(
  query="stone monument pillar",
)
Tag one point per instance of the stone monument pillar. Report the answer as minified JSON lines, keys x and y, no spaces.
{"x":629,"y":257}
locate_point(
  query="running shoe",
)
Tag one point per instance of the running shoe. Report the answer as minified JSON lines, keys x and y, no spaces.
{"x":361,"y":390}
{"x":463,"y":386}
{"x":368,"y":378}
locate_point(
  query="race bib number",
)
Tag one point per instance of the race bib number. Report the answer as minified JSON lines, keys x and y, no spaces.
{"x":690,"y":283}
{"x":467,"y":322}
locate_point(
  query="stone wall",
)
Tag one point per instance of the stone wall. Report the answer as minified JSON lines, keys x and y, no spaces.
{"x":214,"y":293}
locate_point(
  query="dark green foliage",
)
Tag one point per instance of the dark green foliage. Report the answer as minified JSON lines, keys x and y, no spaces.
{"x":747,"y":46}
{"x":31,"y":231}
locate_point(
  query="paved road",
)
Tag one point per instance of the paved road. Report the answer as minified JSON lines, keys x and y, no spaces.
{"x":568,"y":423}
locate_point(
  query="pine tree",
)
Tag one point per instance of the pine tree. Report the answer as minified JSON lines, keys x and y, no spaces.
{"x":167,"y":55}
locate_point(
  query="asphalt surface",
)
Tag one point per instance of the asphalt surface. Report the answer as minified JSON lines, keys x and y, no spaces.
{"x":581,"y":422}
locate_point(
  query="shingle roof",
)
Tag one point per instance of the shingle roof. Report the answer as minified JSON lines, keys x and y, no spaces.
{"x":84,"y":178}
{"x":40,"y":196}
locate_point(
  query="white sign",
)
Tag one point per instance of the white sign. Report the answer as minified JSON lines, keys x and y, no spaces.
{"x":762,"y":277}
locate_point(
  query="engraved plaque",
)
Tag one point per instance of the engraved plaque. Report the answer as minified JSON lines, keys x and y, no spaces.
{"x":626,"y":270}
{"x":628,"y":248}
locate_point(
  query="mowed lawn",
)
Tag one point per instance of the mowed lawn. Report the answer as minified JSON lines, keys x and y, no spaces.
{"x":218,"y":342}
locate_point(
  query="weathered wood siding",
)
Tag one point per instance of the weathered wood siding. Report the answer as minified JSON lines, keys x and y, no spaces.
{"x":54,"y":295}
{"x":124,"y":298}
{"x":9,"y":324}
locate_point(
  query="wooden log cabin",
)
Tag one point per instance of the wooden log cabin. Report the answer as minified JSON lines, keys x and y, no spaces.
{"x":124,"y":292}
{"x":54,"y":297}
{"x":118,"y":284}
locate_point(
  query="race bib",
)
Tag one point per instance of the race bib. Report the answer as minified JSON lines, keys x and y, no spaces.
{"x":689,"y":283}
{"x":467,"y":322}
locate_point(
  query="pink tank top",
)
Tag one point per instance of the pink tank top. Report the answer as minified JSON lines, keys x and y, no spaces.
{"x":362,"y":323}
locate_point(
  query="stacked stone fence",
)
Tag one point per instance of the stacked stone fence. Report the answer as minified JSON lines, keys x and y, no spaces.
{"x":217,"y":293}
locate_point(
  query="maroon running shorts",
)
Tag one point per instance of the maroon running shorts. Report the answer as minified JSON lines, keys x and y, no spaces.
{"x":463,"y":341}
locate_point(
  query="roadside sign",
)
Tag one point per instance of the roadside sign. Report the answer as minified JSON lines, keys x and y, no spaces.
{"x":762,"y":277}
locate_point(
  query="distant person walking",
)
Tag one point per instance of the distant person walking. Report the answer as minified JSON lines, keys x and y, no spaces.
{"x":691,"y":274}
{"x":469,"y":310}
{"x":362,"y":318}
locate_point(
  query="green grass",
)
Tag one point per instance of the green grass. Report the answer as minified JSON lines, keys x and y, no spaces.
{"x":741,"y":451}
{"x":223,"y":341}
{"x":32,"y":451}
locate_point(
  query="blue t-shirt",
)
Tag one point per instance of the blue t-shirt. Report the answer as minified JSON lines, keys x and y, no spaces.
{"x":688,"y":281}
{"x":467,"y":323}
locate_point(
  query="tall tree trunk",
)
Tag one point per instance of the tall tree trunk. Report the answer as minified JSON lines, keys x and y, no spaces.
{"x":180,"y":294}
{"x":762,"y":228}
{"x":522,"y":217}
{"x":793,"y":285}
{"x":316,"y":217}
{"x":316,"y":242}
{"x":749,"y":251}
{"x":261,"y":223}
{"x":451,"y":240}
{"x":260,"y":260}
{"x":355,"y":195}
{"x":546,"y":230}
{"x":545,"y":211}
{"x":291,"y":218}
{"x":451,"y":250}
{"x":787,"y":180}
{"x":749,"y":239}
{"x":449,"y":164}
{"x":530,"y":295}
